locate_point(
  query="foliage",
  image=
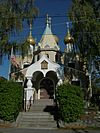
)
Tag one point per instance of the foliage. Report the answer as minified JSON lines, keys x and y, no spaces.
{"x":25,"y":47}
{"x":2,"y":79}
{"x":85,"y":16}
{"x":13,"y":13}
{"x":96,"y":85}
{"x":70,"y":101}
{"x":95,"y":99}
{"x":11,"y":98}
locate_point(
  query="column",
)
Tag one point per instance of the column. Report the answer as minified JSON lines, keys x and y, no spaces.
{"x":35,"y":58}
{"x":29,"y":91}
{"x":38,"y":93}
{"x":59,"y":82}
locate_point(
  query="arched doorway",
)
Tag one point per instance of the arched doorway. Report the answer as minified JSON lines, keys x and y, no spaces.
{"x":47,"y":88}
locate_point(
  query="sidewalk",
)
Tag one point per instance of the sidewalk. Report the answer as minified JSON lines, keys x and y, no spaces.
{"x":16,"y":130}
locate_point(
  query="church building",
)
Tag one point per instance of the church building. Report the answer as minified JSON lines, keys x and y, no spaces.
{"x":42,"y":70}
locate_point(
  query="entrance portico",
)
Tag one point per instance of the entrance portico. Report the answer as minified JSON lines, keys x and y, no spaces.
{"x":42,"y":77}
{"x":46,"y":88}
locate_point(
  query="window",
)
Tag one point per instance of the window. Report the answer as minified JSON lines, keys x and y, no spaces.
{"x":26,"y":64}
{"x":38,"y":57}
{"x":47,"y":46}
{"x":77,"y":83}
{"x":47,"y":55}
{"x":55,"y":47}
{"x":44,"y":65}
{"x":71,"y":64}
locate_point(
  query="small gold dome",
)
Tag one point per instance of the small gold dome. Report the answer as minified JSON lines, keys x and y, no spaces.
{"x":68,"y":38}
{"x":31,"y":40}
{"x":56,"y":38}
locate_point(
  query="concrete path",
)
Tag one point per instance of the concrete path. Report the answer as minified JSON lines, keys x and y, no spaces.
{"x":16,"y":130}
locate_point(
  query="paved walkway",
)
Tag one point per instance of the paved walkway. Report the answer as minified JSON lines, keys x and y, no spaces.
{"x":17,"y":130}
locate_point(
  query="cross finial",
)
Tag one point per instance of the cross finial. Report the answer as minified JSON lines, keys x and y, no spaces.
{"x":30,"y":28}
{"x":67,"y":23}
{"x":68,"y":29}
{"x":47,"y":19}
{"x":49,"y":22}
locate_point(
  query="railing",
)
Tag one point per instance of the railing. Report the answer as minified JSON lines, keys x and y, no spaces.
{"x":29,"y":104}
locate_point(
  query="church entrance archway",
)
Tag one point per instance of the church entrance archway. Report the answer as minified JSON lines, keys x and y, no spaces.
{"x":47,"y":88}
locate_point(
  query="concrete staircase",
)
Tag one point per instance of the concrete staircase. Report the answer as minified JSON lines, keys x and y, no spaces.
{"x":40,"y":115}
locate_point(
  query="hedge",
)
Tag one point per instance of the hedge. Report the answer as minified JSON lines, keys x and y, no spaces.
{"x":11,"y":100}
{"x":70,"y":102}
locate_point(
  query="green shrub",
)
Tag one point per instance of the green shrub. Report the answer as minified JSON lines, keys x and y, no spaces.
{"x":70,"y":102}
{"x":95,"y":99}
{"x":11,"y":98}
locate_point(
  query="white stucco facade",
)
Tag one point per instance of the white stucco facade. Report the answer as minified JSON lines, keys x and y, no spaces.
{"x":44,"y":68}
{"x":36,"y":67}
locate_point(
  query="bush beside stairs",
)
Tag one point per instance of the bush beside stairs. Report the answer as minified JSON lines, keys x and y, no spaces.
{"x":41,"y":115}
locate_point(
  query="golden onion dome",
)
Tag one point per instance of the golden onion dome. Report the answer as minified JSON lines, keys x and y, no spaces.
{"x":56,"y":38}
{"x":68,"y":38}
{"x":31,"y":40}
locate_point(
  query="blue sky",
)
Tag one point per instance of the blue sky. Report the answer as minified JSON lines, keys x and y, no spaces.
{"x":53,"y":8}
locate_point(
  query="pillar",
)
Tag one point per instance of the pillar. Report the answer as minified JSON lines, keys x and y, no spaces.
{"x":29,"y":91}
{"x":59,"y":82}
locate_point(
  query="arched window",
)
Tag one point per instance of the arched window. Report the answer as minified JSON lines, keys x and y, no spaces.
{"x":55,"y":47}
{"x":56,"y":58}
{"x":33,"y":60}
{"x":47,"y":46}
{"x":38,"y":57}
{"x":26,"y":64}
{"x":47,"y":55}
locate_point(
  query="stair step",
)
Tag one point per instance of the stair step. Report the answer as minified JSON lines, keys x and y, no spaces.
{"x":37,"y":121}
{"x":41,"y":125}
{"x":44,"y":102}
{"x":35,"y":113}
{"x":39,"y":115}
{"x":42,"y":109}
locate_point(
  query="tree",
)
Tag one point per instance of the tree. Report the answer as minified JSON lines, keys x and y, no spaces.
{"x":13,"y":13}
{"x":70,"y":102}
{"x":85,"y":16}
